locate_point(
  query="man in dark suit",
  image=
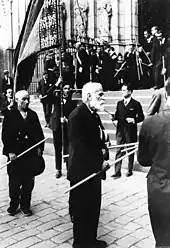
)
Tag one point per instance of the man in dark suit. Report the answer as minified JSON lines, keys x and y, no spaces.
{"x":154,"y":151}
{"x":7,"y":81}
{"x":83,"y":66}
{"x":21,"y":130}
{"x":157,"y":58}
{"x":45,"y":96}
{"x":8,"y":102}
{"x":87,"y":152}
{"x":58,"y":122}
{"x":131,"y":72}
{"x":128,"y":113}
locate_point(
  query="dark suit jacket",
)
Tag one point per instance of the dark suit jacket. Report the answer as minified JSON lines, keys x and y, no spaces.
{"x":85,"y":144}
{"x":45,"y":89}
{"x":157,"y":52}
{"x":19,"y":134}
{"x":132,"y":110}
{"x":158,"y":102}
{"x":68,"y":107}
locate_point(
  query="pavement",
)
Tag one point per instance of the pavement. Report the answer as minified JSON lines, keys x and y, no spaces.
{"x":124,"y":220}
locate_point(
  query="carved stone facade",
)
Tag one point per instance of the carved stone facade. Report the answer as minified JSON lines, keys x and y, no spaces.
{"x":114,"y":21}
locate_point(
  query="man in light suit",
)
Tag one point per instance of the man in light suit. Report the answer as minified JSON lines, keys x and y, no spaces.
{"x":158,"y":102}
{"x":154,"y":151}
{"x":87,"y":153}
{"x":128,"y":113}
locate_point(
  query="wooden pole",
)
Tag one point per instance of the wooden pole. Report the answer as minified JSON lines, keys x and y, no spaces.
{"x":123,"y":145}
{"x":97,"y":173}
{"x":21,"y":154}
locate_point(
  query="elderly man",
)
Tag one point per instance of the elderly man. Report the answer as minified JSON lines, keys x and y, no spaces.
{"x":154,"y":151}
{"x":87,"y":152}
{"x":21,"y":129}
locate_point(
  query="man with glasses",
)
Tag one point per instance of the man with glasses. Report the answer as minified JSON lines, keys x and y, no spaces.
{"x":128,"y":113}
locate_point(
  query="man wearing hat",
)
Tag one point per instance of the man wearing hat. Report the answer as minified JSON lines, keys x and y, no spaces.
{"x":7,"y":82}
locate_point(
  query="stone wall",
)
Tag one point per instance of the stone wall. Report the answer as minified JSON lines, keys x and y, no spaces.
{"x":115,"y":21}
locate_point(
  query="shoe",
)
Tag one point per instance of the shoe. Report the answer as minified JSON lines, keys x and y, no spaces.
{"x":116,"y":175}
{"x":58,"y":174}
{"x":99,"y":244}
{"x":82,"y":245}
{"x":26,"y":212}
{"x":129,"y":173}
{"x":11,"y":211}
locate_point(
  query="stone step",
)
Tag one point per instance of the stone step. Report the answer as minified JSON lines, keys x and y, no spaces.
{"x":111,"y":98}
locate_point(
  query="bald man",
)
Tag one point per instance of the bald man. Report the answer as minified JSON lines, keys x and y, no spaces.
{"x":87,"y":153}
{"x":21,"y":129}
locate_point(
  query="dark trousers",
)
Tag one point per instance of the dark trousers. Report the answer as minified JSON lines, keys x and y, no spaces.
{"x":57,"y":140}
{"x":47,"y":108}
{"x":123,"y":139}
{"x":20,"y":190}
{"x":84,"y":208}
{"x":158,"y":77}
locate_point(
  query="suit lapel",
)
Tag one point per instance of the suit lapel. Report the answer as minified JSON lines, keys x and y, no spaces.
{"x":129,"y":105}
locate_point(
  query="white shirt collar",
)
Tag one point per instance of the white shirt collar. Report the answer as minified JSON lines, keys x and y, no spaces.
{"x":127,"y":100}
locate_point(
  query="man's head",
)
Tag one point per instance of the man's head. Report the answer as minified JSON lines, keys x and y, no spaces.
{"x":130,"y":48}
{"x":6,"y":72}
{"x":66,"y":90}
{"x":45,"y":75}
{"x":154,"y":30}
{"x":9,"y":93}
{"x":146,"y":34}
{"x":159,"y":35}
{"x":126,"y":90}
{"x":93,"y":96}
{"x":22,"y":99}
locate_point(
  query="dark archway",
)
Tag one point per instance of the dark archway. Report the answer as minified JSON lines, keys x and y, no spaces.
{"x":154,"y":13}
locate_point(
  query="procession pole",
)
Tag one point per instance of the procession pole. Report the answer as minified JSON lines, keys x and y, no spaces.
{"x":60,"y":33}
{"x":24,"y":152}
{"x":97,"y":173}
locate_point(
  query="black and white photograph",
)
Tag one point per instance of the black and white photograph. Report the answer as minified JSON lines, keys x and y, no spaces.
{"x":84,"y":123}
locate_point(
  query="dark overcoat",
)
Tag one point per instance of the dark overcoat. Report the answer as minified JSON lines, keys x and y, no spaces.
{"x":154,"y":151}
{"x":85,"y":144}
{"x":19,"y":134}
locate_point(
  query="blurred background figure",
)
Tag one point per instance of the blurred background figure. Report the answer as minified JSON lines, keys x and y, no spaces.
{"x":8,"y":102}
{"x":7,"y":81}
{"x":45,"y":95}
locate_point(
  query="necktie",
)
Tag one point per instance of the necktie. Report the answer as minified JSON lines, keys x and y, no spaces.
{"x":125,"y":102}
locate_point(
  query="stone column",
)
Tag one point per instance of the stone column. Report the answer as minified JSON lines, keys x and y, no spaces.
{"x":68,"y":19}
{"x":115,"y":23}
{"x":131,"y":21}
{"x":128,"y":21}
{"x":91,"y":19}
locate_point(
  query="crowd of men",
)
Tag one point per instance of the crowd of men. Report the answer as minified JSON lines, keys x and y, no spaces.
{"x":145,"y":65}
{"x":94,"y":70}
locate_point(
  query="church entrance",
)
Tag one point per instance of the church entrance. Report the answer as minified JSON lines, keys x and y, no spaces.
{"x":154,"y":13}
